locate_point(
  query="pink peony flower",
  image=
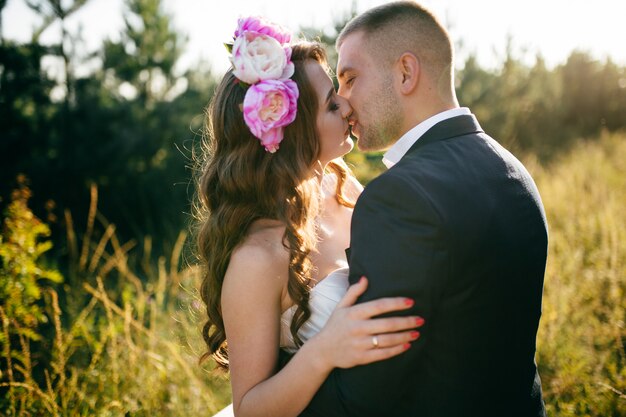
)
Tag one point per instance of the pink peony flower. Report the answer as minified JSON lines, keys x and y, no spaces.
{"x":269,"y":106}
{"x":257,"y":57}
{"x":263,"y":26}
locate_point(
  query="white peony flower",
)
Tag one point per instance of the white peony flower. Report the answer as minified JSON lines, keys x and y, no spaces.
{"x":257,"y":57}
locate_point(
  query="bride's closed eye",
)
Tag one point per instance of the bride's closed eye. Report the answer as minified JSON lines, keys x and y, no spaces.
{"x":333,"y":106}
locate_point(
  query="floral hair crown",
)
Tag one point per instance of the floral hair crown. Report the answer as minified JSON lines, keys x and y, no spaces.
{"x":261,"y":59}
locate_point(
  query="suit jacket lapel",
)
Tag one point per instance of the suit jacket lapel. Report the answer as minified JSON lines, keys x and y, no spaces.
{"x":448,"y":129}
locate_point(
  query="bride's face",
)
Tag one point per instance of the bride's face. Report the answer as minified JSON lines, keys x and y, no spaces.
{"x":332,"y":114}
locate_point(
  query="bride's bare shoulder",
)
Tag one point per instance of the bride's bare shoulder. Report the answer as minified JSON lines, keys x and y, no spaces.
{"x":260,"y":258}
{"x":256,"y":278}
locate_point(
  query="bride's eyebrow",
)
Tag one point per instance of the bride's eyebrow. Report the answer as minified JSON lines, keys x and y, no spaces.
{"x":330,"y":93}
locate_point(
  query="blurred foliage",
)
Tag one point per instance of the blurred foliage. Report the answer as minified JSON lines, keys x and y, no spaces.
{"x":22,"y":244}
{"x":533,"y":110}
{"x":146,"y":55}
{"x":50,"y":11}
{"x":127,"y":127}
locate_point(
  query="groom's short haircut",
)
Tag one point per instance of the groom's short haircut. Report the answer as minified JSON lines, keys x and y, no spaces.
{"x":404,"y":26}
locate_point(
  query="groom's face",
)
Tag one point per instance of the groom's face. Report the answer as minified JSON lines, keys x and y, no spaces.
{"x":368,"y":84}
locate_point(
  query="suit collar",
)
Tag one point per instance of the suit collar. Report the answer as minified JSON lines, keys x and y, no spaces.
{"x":395,"y":153}
{"x":447,"y":129}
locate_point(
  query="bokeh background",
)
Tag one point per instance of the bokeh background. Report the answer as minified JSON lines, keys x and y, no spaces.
{"x":101,"y":115}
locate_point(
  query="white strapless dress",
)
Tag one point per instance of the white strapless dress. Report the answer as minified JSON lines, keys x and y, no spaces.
{"x":324,"y":297}
{"x":323,"y":300}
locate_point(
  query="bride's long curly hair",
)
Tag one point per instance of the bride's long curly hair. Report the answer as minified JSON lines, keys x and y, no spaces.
{"x":239,"y":182}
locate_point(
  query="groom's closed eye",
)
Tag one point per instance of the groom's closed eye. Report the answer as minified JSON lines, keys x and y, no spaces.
{"x":345,"y":72}
{"x":341,"y":75}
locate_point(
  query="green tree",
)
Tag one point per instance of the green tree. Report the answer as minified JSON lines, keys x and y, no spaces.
{"x":156,"y":112}
{"x":51,"y":11}
{"x":135,"y":147}
{"x":147,"y":52}
{"x":594,"y":95}
{"x":581,"y":95}
{"x":26,"y":111}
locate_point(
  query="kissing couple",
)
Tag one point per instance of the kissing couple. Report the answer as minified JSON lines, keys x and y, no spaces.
{"x":418,"y":295}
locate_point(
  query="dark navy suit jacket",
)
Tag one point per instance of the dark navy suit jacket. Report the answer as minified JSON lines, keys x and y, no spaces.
{"x":458,"y":226}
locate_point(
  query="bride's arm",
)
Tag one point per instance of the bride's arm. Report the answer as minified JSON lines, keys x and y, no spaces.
{"x":251,"y":308}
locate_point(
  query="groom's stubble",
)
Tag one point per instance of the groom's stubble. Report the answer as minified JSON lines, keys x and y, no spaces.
{"x":382,"y":115}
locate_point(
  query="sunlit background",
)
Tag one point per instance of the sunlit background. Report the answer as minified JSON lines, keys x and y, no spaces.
{"x":552,"y":28}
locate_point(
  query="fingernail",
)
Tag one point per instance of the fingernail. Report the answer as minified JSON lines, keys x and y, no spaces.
{"x":362,"y":279}
{"x":419,"y":321}
{"x":406,"y":346}
{"x":415,"y":335}
{"x":409,"y":302}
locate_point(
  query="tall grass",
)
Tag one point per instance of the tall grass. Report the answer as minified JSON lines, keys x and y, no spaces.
{"x":582,"y":335}
{"x":123,"y":342}
{"x":120,"y":336}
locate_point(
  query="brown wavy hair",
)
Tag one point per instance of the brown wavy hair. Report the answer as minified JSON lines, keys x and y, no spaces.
{"x":239,"y":182}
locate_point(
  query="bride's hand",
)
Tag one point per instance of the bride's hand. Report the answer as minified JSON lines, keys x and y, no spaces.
{"x":352,"y":337}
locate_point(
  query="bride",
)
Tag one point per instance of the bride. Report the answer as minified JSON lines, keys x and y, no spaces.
{"x":276,"y":204}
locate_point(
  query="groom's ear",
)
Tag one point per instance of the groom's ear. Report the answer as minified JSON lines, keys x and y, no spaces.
{"x":409,"y":71}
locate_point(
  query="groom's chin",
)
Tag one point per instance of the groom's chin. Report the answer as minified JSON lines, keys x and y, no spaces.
{"x":364,"y":146}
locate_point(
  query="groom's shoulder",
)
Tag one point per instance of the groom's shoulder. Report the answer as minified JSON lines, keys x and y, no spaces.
{"x":407,"y":174}
{"x":396,"y":185}
{"x":390,"y":179}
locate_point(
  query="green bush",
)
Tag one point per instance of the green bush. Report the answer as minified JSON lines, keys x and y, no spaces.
{"x":22,"y":244}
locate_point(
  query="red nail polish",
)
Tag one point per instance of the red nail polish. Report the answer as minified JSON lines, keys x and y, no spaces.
{"x":419,"y":321}
{"x":406,"y":346}
{"x":409,"y":302}
{"x":415,"y":335}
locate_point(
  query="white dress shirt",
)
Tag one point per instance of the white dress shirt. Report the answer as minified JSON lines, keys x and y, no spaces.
{"x":402,"y":146}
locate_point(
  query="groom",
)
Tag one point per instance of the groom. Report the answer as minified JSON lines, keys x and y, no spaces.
{"x":456,"y":223}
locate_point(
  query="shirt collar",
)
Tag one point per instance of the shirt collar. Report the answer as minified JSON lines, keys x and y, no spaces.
{"x":402,"y":146}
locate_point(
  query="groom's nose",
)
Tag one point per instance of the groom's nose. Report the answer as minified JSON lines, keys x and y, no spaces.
{"x":346,"y":108}
{"x":342,"y":91}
